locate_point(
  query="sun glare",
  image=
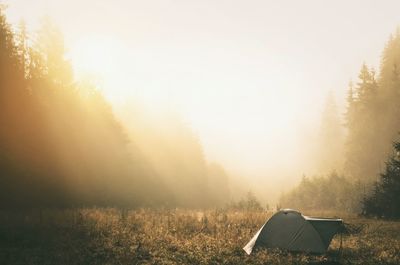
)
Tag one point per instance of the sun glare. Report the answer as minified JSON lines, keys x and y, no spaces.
{"x":96,"y":55}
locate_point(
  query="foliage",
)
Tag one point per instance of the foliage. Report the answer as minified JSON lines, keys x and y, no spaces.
{"x":248,"y":203}
{"x":372,"y":115}
{"x":329,"y":193}
{"x":177,"y":157}
{"x":384,"y":201}
{"x":61,"y":144}
{"x":372,"y":122}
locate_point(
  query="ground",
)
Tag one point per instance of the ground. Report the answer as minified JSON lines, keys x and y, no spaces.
{"x":111,"y":236}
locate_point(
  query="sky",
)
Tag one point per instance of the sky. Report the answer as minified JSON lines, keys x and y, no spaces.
{"x":249,"y":77}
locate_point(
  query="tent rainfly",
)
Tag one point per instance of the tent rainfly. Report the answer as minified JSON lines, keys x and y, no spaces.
{"x":290,"y":230}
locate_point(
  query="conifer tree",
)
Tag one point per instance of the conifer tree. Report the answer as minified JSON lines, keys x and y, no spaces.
{"x":50,"y":45}
{"x":329,"y":153}
{"x":363,"y":153}
{"x":23,"y":48}
{"x":385,"y":198}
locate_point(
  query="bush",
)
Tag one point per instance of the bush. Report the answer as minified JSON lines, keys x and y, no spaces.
{"x":332,"y":192}
{"x":248,"y":203}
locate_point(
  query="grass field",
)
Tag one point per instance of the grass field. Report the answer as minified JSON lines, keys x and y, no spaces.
{"x":105,"y":236}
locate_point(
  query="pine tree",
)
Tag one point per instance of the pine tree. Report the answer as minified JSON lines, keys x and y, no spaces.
{"x":329,"y":153}
{"x":23,"y":48}
{"x":385,"y":198}
{"x":50,"y":46}
{"x":363,"y":144}
{"x":8,"y":51}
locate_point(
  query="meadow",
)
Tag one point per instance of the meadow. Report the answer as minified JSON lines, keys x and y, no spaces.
{"x":144,"y":236}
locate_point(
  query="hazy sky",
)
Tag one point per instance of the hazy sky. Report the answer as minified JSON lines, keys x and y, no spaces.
{"x":250,"y":77}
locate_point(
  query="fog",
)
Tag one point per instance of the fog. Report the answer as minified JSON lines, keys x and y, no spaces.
{"x":248,"y":79}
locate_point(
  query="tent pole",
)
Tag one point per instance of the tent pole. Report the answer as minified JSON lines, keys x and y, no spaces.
{"x":341,"y":240}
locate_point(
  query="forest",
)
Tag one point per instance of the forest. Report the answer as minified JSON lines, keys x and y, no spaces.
{"x":360,"y":170}
{"x":81,"y":184}
{"x":62,"y":145}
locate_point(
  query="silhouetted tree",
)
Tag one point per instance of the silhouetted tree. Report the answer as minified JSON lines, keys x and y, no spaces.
{"x":59,"y":144}
{"x":364,"y":151}
{"x":384,"y":201}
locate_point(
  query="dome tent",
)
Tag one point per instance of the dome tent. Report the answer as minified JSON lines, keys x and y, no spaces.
{"x":288,"y":229}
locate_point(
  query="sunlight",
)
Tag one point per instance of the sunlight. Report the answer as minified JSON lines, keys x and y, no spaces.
{"x":96,"y":55}
{"x":139,"y":130}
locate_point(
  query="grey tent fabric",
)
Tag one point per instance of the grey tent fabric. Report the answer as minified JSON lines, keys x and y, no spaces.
{"x":289,"y":229}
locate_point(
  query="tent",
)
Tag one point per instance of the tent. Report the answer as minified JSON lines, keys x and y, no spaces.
{"x":288,"y":229}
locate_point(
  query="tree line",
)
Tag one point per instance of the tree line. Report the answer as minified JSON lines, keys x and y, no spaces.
{"x":372,"y":125}
{"x":62,"y":146}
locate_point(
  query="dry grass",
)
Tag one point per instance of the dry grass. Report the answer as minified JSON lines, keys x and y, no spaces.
{"x":104,"y":236}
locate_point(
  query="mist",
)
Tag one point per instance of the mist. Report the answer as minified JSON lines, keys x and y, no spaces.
{"x":248,"y":90}
{"x":199,"y":132}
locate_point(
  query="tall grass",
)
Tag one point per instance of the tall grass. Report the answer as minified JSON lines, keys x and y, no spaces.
{"x":177,"y":236}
